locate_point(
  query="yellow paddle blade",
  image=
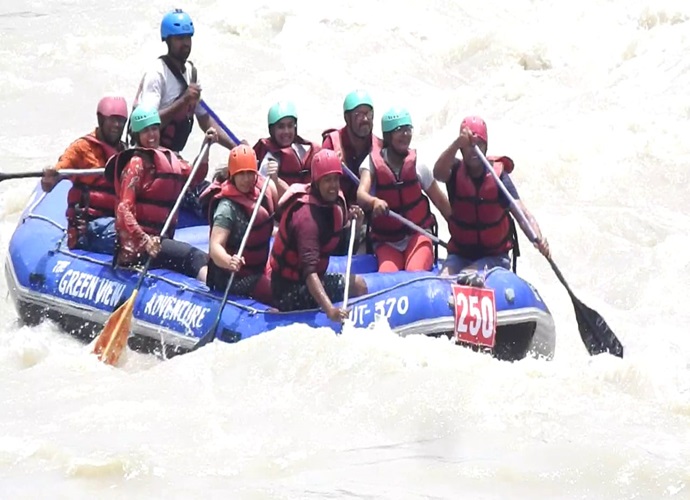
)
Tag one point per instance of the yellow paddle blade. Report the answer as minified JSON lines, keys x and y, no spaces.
{"x":113,"y":338}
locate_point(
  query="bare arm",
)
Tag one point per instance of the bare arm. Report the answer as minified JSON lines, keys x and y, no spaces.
{"x":317,"y":291}
{"x":529,"y":220}
{"x":444,"y":164}
{"x":206,"y":122}
{"x":280,"y":185}
{"x":439,"y":199}
{"x":275,"y":191}
{"x":216,"y":246}
{"x":364,"y":199}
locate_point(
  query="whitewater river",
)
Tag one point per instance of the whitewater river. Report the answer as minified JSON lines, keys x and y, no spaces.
{"x":589,"y":98}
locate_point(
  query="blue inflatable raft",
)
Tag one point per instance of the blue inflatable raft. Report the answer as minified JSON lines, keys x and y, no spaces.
{"x":79,"y":290}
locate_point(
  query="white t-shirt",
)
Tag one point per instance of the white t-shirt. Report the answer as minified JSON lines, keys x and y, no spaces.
{"x":302,"y":151}
{"x":159,"y":87}
{"x":426,"y":179}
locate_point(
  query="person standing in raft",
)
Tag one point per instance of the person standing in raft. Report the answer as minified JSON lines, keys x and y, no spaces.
{"x":285,"y":147}
{"x":230,"y":207}
{"x":482,"y":231}
{"x":313,"y":218}
{"x":148,"y":181}
{"x":91,"y":200}
{"x":172,"y":86}
{"x":400,"y":183}
{"x":355,"y":140}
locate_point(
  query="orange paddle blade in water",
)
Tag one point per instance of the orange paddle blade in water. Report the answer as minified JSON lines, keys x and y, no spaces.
{"x":113,"y":338}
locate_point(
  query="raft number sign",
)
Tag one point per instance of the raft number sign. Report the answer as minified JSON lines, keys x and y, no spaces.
{"x":475,"y":315}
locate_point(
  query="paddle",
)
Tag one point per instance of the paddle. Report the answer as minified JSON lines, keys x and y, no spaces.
{"x":216,"y":119}
{"x":113,"y":338}
{"x":399,"y":217}
{"x":348,"y":266}
{"x":62,"y":173}
{"x":595,"y":333}
{"x":211,"y":334}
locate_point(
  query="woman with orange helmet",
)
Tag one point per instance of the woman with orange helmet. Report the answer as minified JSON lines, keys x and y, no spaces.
{"x":231,"y":204}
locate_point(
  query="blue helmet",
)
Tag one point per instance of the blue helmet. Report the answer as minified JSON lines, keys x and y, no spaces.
{"x":176,"y":23}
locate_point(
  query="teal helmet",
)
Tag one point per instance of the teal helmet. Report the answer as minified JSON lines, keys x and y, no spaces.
{"x":144,"y":116}
{"x":280,"y":110}
{"x":394,"y":118}
{"x":357,"y":98}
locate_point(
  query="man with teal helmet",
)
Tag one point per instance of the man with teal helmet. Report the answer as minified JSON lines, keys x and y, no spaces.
{"x":353,"y":143}
{"x":355,"y":140}
{"x":357,"y":98}
{"x":284,"y":156}
{"x":394,"y":118}
{"x":172,"y":85}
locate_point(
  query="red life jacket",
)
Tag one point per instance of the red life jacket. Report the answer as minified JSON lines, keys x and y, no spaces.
{"x":284,"y":257}
{"x":338,"y":141}
{"x":292,"y":170}
{"x":403,"y":194}
{"x":256,"y":249}
{"x":156,"y":200}
{"x":479,"y":225}
{"x":90,"y":197}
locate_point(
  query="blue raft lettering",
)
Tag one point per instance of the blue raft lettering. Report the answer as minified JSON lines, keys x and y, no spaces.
{"x":182,"y":311}
{"x":109,"y":292}
{"x":92,"y":288}
{"x":78,"y":284}
{"x":384,"y":307}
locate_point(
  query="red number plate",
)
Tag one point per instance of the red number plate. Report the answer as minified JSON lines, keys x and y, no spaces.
{"x":475,"y":315}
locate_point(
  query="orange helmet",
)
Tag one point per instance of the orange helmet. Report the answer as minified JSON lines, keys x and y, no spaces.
{"x":242,"y":159}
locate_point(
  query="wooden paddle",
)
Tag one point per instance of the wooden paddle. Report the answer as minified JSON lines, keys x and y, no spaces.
{"x":399,"y":217}
{"x":62,"y":173}
{"x":211,"y":334}
{"x":113,"y":338}
{"x":595,"y":333}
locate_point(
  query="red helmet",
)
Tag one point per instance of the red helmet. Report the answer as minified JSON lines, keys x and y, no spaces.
{"x":477,"y":126}
{"x":112,"y":106}
{"x":325,"y":162}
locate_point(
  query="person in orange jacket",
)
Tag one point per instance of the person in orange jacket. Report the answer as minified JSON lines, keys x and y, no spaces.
{"x":91,"y":199}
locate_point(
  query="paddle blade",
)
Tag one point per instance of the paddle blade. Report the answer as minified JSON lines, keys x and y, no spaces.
{"x":113,"y":338}
{"x":595,"y":332}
